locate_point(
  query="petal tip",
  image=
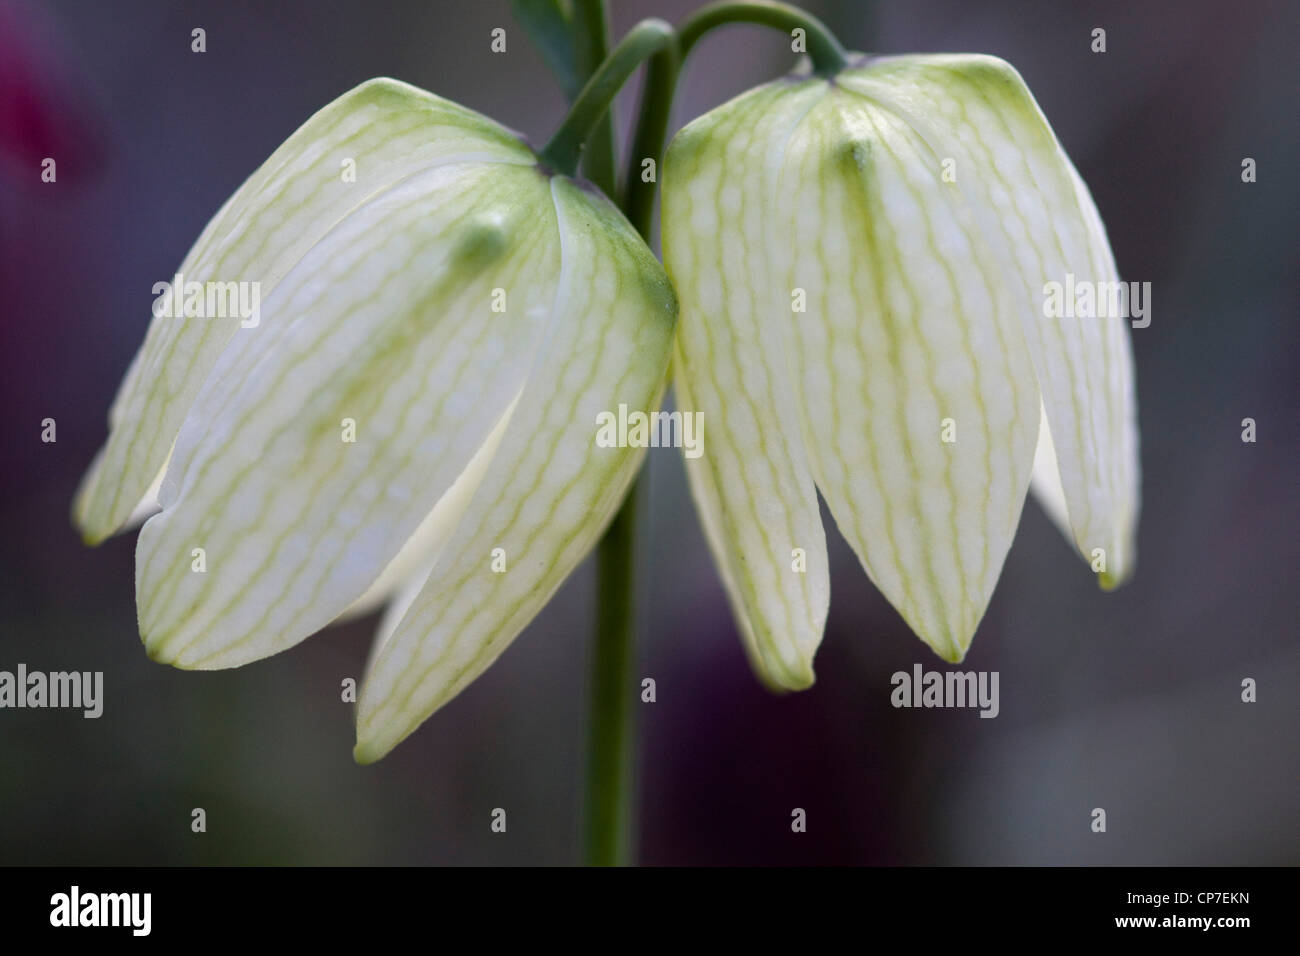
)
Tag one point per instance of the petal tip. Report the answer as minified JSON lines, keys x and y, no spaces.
{"x":156,"y":651}
{"x":160,"y":647}
{"x":85,"y":517}
{"x":947,"y":647}
{"x":796,"y":681}
{"x":368,"y":751}
{"x":786,"y":678}
{"x":90,"y":537}
{"x":1108,"y":581}
{"x":952,"y":655}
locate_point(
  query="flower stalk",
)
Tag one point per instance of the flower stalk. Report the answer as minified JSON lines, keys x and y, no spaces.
{"x":827,"y":55}
{"x":565,"y":147}
{"x":610,"y":743}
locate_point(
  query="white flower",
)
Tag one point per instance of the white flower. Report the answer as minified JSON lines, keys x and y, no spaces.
{"x":861,"y":264}
{"x":413,"y":415}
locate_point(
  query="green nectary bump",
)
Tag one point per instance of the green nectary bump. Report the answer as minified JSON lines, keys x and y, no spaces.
{"x":856,"y":150}
{"x":484,"y":239}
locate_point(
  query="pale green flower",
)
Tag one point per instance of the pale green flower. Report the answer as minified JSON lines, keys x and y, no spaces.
{"x":470,"y":314}
{"x":915,"y":207}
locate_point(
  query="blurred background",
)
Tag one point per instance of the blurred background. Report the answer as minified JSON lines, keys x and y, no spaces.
{"x":1130,"y":701}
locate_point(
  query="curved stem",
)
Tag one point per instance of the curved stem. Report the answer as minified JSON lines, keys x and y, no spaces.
{"x":827,"y":56}
{"x":565,"y":147}
{"x":638,"y":198}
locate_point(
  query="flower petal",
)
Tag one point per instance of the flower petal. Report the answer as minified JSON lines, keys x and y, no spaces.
{"x":916,"y":390}
{"x":549,"y":492}
{"x":752,"y":485}
{"x":418,"y":555}
{"x":1045,"y":482}
{"x":389,"y":131}
{"x":1036,"y":212}
{"x":385,"y":327}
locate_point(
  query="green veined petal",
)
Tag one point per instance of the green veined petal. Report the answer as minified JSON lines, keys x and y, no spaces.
{"x":550,"y":491}
{"x":417,"y":556}
{"x":752,"y":485}
{"x":1037,"y":213}
{"x":386,"y":322}
{"x":389,"y":130}
{"x":916,"y":390}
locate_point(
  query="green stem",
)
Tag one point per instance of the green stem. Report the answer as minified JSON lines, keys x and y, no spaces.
{"x":609,"y":837}
{"x":638,"y":196}
{"x":608,"y":832}
{"x":827,"y":56}
{"x":608,"y":821}
{"x":591,"y":35}
{"x":611,"y":746}
{"x":565,"y":147}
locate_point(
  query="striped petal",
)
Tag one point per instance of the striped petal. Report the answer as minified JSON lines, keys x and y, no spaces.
{"x":916,"y":389}
{"x":907,"y":371}
{"x":1035,"y":213}
{"x":550,"y":490}
{"x":389,"y":131}
{"x":753,"y":484}
{"x":330,"y":436}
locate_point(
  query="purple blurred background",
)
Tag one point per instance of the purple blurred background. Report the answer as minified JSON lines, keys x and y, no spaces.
{"x":1129,"y":701}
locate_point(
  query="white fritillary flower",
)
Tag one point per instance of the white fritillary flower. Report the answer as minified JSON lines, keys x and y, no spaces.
{"x":862,"y":262}
{"x":410,"y":417}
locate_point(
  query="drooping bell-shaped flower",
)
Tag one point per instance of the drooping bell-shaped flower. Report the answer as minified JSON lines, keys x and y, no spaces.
{"x":406,"y":415}
{"x":862,"y":263}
